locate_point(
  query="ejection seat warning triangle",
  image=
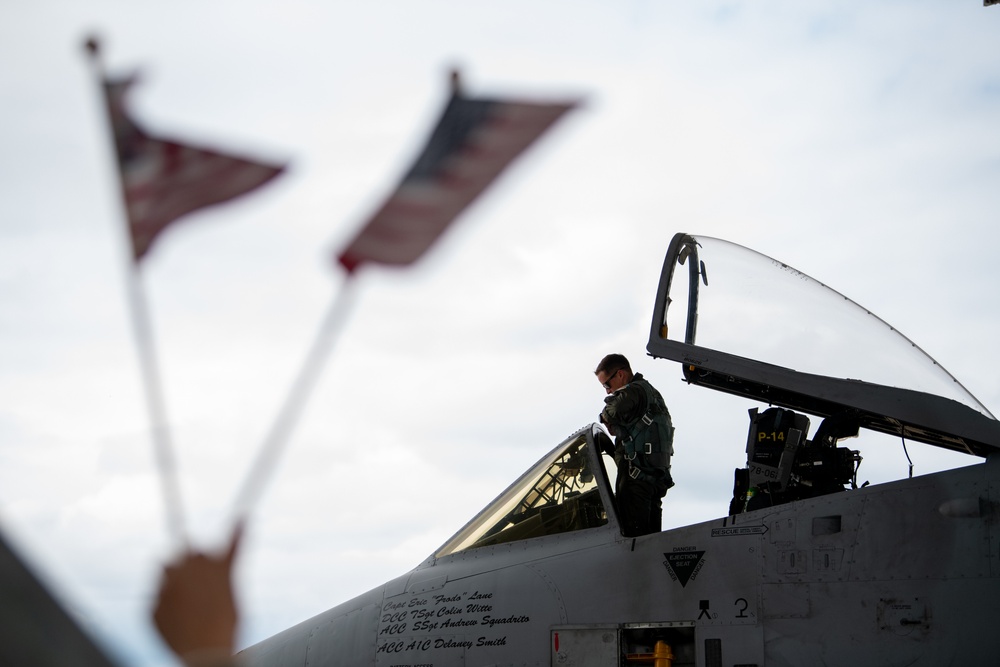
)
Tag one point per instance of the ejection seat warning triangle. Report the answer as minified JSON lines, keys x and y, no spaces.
{"x":683,"y":566}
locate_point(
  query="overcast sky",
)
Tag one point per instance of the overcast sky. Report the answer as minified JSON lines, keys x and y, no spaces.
{"x":857,"y":141}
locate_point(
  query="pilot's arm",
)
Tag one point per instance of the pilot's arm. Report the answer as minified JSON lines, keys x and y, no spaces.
{"x":625,"y":406}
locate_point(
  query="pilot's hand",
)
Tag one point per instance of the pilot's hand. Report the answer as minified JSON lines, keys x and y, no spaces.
{"x":195,"y":612}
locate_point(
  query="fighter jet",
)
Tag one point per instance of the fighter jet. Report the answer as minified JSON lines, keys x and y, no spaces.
{"x":803,"y":566}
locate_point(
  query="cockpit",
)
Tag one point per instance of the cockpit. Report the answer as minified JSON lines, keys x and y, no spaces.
{"x":742,"y":323}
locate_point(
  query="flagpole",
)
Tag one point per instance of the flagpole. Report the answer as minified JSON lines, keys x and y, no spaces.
{"x":283,"y":426}
{"x":162,"y":442}
{"x":160,"y":432}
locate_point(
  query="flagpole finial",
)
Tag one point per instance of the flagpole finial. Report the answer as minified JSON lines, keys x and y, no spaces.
{"x":456,"y":82}
{"x":93,"y":46}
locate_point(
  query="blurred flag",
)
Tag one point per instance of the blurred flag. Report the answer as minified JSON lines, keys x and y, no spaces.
{"x":163,"y":180}
{"x":474,"y":140}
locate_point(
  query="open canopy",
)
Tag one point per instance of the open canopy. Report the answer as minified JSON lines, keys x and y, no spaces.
{"x":746,"y":324}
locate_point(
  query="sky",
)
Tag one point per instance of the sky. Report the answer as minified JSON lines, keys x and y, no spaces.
{"x":857,"y":141}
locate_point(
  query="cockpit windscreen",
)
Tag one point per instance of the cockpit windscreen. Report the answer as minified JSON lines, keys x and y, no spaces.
{"x":558,"y":495}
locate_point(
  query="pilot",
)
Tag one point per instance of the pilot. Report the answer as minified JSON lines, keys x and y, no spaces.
{"x":637,"y":416}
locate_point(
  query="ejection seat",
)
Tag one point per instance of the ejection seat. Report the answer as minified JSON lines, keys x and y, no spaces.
{"x":773,"y":439}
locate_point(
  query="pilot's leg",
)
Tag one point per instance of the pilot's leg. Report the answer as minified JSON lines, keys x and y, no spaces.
{"x":656,"y":506}
{"x":656,"y":513}
{"x":635,"y":500}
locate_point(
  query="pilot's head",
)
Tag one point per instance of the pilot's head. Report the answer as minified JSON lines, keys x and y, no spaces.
{"x":613,"y":372}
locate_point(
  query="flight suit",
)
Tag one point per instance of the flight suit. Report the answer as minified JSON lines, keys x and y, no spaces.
{"x":644,"y":433}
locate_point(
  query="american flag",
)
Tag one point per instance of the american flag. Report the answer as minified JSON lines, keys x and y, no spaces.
{"x":163,"y":180}
{"x":474,"y":140}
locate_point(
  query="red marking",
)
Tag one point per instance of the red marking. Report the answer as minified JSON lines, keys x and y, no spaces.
{"x":555,"y":637}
